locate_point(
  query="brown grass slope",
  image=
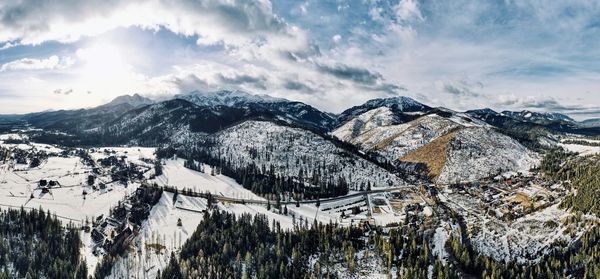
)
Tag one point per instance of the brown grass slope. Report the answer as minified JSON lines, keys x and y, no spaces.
{"x":433,"y":154}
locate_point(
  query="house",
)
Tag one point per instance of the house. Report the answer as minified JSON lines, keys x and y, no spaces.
{"x":119,"y":212}
{"x":97,"y":236}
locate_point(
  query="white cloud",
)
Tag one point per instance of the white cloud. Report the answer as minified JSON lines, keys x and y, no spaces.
{"x":408,"y":10}
{"x":25,"y":64}
{"x":337,"y":38}
{"x":7,"y":45}
{"x":230,"y":21}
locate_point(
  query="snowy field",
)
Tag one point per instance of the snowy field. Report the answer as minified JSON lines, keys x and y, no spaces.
{"x":175,"y":174}
{"x":523,"y":239}
{"x":18,"y":186}
{"x":581,"y":149}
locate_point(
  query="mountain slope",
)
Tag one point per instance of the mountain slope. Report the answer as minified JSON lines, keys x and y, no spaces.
{"x":435,"y":139}
{"x":472,"y":153}
{"x":75,"y":121}
{"x":296,"y":153}
{"x":295,"y":113}
{"x":398,"y":105}
{"x":542,"y":118}
{"x":590,"y":123}
{"x":135,"y":100}
{"x":174,"y":121}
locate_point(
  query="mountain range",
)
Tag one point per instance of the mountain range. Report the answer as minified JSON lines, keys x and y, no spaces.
{"x":399,"y":134}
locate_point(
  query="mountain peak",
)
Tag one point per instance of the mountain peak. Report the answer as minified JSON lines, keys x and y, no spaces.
{"x":135,"y":100}
{"x":533,"y":116}
{"x":228,"y":98}
{"x":402,"y":103}
{"x":483,"y":111}
{"x":396,"y":104}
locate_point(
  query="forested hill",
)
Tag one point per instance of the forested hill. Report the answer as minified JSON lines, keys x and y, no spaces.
{"x":34,"y":244}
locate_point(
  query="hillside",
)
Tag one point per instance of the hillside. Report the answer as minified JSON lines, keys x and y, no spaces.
{"x":298,"y":154}
{"x":295,"y":113}
{"x":454,"y":146}
{"x":473,"y":153}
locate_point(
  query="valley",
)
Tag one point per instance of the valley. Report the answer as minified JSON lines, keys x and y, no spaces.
{"x":454,"y":183}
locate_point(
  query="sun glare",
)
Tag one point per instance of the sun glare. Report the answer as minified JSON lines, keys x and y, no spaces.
{"x":102,"y":62}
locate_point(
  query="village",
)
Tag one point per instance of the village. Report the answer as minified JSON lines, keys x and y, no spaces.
{"x":123,"y":205}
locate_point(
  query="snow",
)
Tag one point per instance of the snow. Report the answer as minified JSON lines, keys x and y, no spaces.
{"x":476,"y":153}
{"x":385,"y":213}
{"x":15,"y":136}
{"x":583,"y":150}
{"x":365,"y":122}
{"x":175,"y":174}
{"x":439,"y":239}
{"x":395,"y":141}
{"x":226,"y":98}
{"x":19,"y":182}
{"x":523,"y":239}
{"x":161,"y":229}
{"x":290,"y":149}
{"x":67,"y":201}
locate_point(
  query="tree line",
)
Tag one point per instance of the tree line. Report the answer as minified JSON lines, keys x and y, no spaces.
{"x":34,"y":244}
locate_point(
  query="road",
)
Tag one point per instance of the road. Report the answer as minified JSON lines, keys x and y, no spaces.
{"x":222,"y":198}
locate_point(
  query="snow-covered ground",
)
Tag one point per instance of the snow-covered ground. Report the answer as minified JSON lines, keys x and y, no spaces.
{"x":526,"y":238}
{"x":160,"y":235}
{"x":581,"y":149}
{"x":523,"y":239}
{"x":475,"y":153}
{"x":288,"y":150}
{"x":175,"y":174}
{"x":17,"y":186}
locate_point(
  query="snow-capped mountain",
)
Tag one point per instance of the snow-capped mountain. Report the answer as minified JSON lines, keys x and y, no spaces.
{"x":532,"y":128}
{"x":290,"y":151}
{"x":435,"y":139}
{"x":295,"y":113}
{"x":398,"y":105}
{"x":538,"y":117}
{"x":472,"y":153}
{"x":135,"y":100}
{"x":589,"y":123}
{"x":483,"y":114}
{"x":230,"y":98}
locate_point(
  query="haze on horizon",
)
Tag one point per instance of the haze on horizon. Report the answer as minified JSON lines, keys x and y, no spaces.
{"x":536,"y":55}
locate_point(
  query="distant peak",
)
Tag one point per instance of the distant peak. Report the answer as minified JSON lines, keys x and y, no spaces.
{"x":226,"y":98}
{"x":402,"y":103}
{"x":135,"y":100}
{"x":483,"y":111}
{"x":538,"y":116}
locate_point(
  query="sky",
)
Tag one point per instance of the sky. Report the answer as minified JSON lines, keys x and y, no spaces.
{"x":505,"y":54}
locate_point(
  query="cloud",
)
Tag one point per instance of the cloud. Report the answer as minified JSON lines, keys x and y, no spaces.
{"x":297,"y":86}
{"x":230,"y":21}
{"x":240,"y":79}
{"x":7,"y":45}
{"x":355,"y":74}
{"x":343,"y":53}
{"x":461,"y":88}
{"x":337,"y":38}
{"x":188,"y":83}
{"x":26,"y":64}
{"x":66,"y":91}
{"x":389,"y":88}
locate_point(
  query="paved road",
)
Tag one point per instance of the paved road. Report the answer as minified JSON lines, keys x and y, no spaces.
{"x":358,"y":194}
